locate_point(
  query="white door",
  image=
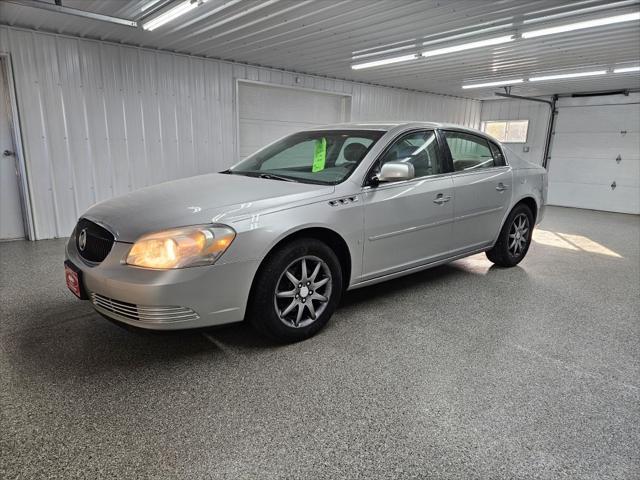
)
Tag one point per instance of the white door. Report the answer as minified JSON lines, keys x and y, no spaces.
{"x":595,"y":157}
{"x":11,"y":225}
{"x":266,"y":113}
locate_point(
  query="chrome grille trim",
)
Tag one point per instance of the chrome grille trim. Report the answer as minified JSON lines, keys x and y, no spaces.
{"x":141,"y":313}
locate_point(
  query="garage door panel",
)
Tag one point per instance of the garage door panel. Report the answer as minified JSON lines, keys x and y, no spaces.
{"x":600,"y":145}
{"x":595,"y":197}
{"x":254,"y":137}
{"x":289,"y":105}
{"x":595,"y":170}
{"x":609,"y":118}
{"x":267,"y":113}
{"x":583,"y":163}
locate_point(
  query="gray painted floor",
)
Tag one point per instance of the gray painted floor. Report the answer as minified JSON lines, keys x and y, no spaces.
{"x":464,"y":371}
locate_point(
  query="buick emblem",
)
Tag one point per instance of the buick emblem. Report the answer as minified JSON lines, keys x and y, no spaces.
{"x":82,"y":239}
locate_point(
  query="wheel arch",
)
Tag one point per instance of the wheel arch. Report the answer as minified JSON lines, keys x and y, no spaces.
{"x":527,"y":200}
{"x":530,"y":202}
{"x":330,"y":237}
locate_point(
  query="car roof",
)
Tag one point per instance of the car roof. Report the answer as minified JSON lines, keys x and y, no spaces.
{"x":386,"y":126}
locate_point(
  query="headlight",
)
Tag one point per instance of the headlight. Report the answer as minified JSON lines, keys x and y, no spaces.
{"x":181,"y":247}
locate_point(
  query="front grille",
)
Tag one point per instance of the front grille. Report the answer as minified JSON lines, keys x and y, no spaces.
{"x":146,"y":314}
{"x":93,"y":241}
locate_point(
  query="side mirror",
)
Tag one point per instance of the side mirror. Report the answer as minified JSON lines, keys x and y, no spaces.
{"x":396,"y":171}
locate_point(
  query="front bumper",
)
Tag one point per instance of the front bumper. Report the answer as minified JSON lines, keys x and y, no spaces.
{"x":165,"y":299}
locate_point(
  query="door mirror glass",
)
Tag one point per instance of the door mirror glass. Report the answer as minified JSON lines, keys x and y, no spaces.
{"x":396,"y":171}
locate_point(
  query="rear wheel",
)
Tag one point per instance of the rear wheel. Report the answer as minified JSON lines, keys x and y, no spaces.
{"x":515,"y":238}
{"x":296,"y":291}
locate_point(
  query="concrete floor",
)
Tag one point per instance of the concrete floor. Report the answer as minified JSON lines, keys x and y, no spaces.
{"x":464,"y":371}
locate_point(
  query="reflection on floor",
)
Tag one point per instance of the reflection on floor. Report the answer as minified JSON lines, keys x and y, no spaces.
{"x":571,"y":242}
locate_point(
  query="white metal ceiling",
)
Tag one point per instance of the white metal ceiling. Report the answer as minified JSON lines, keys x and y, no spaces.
{"x":322,"y":37}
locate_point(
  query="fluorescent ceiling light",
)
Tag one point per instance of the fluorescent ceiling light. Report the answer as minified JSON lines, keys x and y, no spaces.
{"x":627,"y":70}
{"x":170,"y":14}
{"x":468,"y":46}
{"x":148,"y":5}
{"x":567,"y":75}
{"x":430,"y":40}
{"x":387,"y":47}
{"x":382,"y":52}
{"x":628,"y":17}
{"x":494,"y":84}
{"x":386,"y":61}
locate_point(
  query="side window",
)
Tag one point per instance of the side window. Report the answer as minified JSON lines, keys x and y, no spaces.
{"x":498,"y":157}
{"x":468,"y":152}
{"x":418,"y":148}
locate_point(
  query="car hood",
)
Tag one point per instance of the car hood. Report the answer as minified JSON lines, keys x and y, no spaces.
{"x":212,"y":198}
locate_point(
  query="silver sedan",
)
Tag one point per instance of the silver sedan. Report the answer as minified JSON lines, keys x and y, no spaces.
{"x":278,"y":237}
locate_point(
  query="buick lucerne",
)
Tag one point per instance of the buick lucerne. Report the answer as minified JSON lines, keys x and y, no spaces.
{"x":277,"y":238}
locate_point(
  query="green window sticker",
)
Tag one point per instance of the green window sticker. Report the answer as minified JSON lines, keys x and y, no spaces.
{"x":320,"y":155}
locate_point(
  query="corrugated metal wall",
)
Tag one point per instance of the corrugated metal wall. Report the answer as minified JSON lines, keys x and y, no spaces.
{"x":328,"y":36}
{"x":100,"y":119}
{"x":536,"y":113}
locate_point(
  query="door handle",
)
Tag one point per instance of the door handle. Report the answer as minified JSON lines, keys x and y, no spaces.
{"x":502,"y":187}
{"x":8,"y":153}
{"x":441,"y":199}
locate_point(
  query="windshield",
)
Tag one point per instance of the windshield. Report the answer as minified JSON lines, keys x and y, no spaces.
{"x":325,"y":157}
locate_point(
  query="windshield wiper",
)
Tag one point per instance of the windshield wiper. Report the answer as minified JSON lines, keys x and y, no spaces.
{"x":271,"y":176}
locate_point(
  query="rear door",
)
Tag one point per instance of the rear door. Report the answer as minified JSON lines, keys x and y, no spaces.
{"x":482,"y":189}
{"x":408,"y":223}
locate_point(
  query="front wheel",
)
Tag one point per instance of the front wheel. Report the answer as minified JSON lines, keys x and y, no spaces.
{"x":515,"y":238}
{"x":296,"y":291}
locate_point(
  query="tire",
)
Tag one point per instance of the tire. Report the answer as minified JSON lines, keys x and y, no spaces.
{"x":278,"y":316}
{"x":511,"y":248}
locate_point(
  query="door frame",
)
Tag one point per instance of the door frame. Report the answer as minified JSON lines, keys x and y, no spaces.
{"x":347,"y":102}
{"x":16,"y":137}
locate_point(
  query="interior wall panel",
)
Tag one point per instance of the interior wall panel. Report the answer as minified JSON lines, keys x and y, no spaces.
{"x":100,"y":119}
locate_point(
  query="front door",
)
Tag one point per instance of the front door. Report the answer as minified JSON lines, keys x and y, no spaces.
{"x":11,"y":225}
{"x":482,"y":185}
{"x":408,"y":223}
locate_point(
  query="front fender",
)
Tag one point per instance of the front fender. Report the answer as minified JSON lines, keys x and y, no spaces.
{"x":258,"y":235}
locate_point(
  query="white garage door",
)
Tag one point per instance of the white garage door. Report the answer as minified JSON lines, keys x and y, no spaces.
{"x":595,"y":158}
{"x":267,"y":113}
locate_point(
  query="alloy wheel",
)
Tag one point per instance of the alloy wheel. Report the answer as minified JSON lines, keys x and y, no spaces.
{"x":303,"y":291}
{"x":518,"y":235}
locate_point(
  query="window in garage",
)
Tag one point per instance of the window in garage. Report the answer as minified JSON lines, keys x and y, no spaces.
{"x":507,"y":131}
